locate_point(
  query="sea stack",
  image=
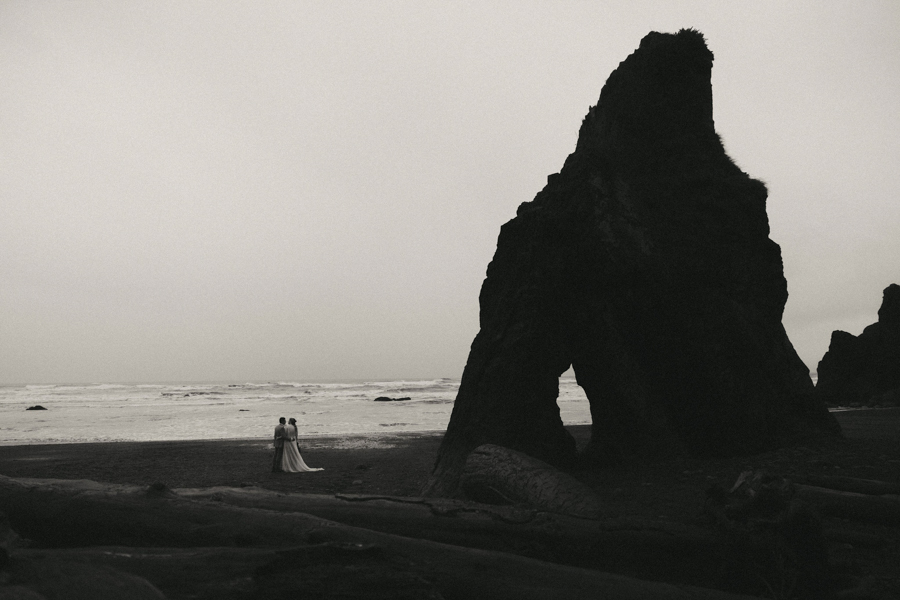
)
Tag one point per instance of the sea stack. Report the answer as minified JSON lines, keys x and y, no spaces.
{"x":865,"y":369}
{"x":646,"y":265}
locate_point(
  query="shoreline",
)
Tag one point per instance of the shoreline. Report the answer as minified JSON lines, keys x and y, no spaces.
{"x":312,"y":436}
{"x":857,"y":422}
{"x":400,"y":463}
{"x":850,"y":415}
{"x":396,"y":463}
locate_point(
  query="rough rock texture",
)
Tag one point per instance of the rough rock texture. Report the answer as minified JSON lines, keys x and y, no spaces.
{"x":645,"y":264}
{"x":865,"y":369}
{"x":498,"y":475}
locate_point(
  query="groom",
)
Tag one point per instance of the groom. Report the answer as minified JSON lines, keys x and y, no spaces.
{"x":279,"y":446}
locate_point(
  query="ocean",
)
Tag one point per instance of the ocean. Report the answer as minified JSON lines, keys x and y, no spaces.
{"x":208,"y":411}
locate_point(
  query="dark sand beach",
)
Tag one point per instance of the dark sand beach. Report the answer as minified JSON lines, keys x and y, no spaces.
{"x":375,"y":464}
{"x":674,"y":488}
{"x":400,"y":464}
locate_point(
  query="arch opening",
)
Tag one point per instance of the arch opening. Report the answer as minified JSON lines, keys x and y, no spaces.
{"x":574,"y":409}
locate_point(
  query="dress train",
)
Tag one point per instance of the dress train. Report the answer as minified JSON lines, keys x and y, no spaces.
{"x":292,"y":462}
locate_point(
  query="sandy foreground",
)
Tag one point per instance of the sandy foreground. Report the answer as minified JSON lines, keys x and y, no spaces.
{"x":380,"y":464}
{"x":673,"y":488}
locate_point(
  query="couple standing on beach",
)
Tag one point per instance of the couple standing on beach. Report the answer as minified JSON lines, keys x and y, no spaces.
{"x":287,"y":450}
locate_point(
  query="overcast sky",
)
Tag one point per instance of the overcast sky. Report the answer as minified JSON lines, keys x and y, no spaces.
{"x":196,"y":191}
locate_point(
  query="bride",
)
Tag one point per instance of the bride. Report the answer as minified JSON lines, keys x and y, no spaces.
{"x":292,"y":462}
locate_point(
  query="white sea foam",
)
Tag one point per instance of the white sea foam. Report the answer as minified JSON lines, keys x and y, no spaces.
{"x":154,"y":411}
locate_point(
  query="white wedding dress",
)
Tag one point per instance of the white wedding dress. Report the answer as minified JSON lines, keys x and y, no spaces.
{"x":291,"y":461}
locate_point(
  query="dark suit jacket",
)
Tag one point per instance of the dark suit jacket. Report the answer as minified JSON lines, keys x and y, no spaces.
{"x":279,"y":436}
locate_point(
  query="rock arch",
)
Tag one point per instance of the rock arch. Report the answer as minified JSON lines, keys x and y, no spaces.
{"x":645,"y":263}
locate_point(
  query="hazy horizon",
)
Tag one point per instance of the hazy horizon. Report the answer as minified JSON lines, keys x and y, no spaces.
{"x":310,"y":191}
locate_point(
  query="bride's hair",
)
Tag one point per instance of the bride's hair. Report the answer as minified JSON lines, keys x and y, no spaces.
{"x":292,"y":421}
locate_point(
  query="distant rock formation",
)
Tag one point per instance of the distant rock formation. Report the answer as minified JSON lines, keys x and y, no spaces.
{"x":865,"y":370}
{"x":646,"y":265}
{"x":36,"y":407}
{"x":389,"y":399}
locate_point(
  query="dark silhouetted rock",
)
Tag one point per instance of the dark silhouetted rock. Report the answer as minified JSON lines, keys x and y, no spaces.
{"x":865,"y":370}
{"x":36,"y":407}
{"x":645,"y":264}
{"x":387,"y":399}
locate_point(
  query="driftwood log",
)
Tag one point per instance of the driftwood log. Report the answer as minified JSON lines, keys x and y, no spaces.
{"x":644,"y":549}
{"x":497,"y":475}
{"x":851,"y":484}
{"x":762,"y":488}
{"x":884,"y":509}
{"x":287,"y":546}
{"x":344,"y":571}
{"x":45,"y":575}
